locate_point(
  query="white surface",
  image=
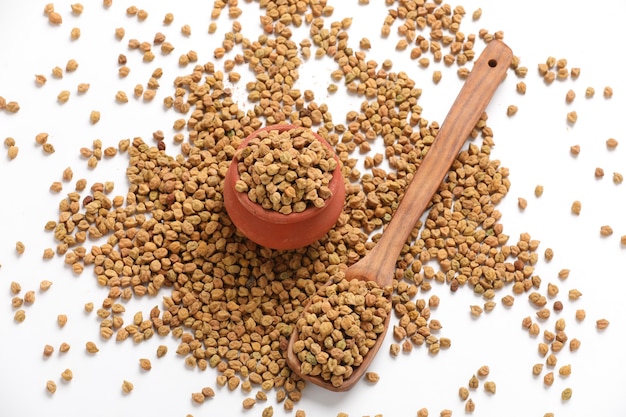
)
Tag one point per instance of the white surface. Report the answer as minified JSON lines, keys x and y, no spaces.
{"x":534,"y":144}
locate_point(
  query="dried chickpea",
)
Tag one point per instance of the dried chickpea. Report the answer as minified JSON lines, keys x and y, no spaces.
{"x":51,"y":386}
{"x":602,"y":324}
{"x":372,"y":377}
{"x":12,"y":149}
{"x":19,"y":247}
{"x":55,"y":18}
{"x":483,"y":371}
{"x":63,"y":96}
{"x":572,"y":117}
{"x":611,"y":143}
{"x":565,"y":370}
{"x":40,"y":79}
{"x":67,"y":375}
{"x":71,"y":65}
{"x":57,"y":72}
{"x":599,"y":172}
{"x":574,"y":294}
{"x":48,"y":350}
{"x":248,"y":403}
{"x":94,"y":117}
{"x":145,"y":364}
{"x":437,"y":76}
{"x":91,"y":347}
{"x":566,"y":394}
{"x":29,"y":297}
{"x":127,"y":387}
{"x":476,"y":310}
{"x":548,"y":379}
{"x":490,"y":387}
{"x":19,"y":316}
{"x":48,"y":8}
{"x":511,"y":110}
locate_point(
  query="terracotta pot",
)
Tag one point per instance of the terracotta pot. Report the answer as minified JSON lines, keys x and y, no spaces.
{"x":275,"y":230}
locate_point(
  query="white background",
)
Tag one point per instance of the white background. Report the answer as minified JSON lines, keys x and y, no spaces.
{"x":534,"y":145}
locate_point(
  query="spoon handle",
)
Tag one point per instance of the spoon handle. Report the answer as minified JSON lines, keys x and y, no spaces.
{"x":488,"y":72}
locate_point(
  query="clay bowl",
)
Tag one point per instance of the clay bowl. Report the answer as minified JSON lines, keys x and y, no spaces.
{"x":276,"y":230}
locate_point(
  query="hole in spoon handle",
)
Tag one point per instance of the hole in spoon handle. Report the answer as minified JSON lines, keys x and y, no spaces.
{"x":496,"y":55}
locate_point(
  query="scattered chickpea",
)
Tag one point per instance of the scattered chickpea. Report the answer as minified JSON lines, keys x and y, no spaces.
{"x":67,"y":375}
{"x":572,"y":117}
{"x":127,"y":387}
{"x":372,"y":377}
{"x":602,"y":324}
{"x":145,"y":364}
{"x":511,"y":110}
{"x":51,"y":386}
{"x":606,"y":230}
{"x":55,"y":18}
{"x":599,"y":172}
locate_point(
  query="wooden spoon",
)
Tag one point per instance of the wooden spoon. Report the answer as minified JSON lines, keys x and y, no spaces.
{"x":380,"y":263}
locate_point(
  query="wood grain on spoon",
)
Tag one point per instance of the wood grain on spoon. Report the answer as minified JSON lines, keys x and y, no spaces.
{"x":488,"y":72}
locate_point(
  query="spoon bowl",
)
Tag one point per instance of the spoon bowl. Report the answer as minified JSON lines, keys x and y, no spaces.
{"x":379,"y":264}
